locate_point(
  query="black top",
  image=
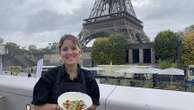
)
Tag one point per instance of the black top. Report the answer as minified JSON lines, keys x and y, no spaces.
{"x":56,"y":81}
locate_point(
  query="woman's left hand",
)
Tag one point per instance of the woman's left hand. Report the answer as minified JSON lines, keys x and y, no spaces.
{"x":93,"y":107}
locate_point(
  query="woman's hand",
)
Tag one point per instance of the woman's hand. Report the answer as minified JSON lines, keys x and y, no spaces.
{"x":45,"y":107}
{"x":93,"y":107}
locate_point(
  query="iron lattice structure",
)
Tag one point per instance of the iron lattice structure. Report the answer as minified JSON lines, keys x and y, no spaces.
{"x":106,"y":7}
{"x":110,"y":16}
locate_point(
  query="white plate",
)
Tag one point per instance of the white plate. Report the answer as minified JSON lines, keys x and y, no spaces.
{"x":74,"y":96}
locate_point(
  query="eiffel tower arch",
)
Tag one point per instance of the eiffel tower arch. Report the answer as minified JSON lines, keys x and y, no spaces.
{"x":117,"y":16}
{"x":110,"y":16}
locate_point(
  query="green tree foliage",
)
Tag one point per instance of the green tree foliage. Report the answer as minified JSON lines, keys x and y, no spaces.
{"x":189,"y":29}
{"x":112,"y":49}
{"x":166,"y":46}
{"x":119,"y":48}
{"x":166,"y":64}
{"x":101,"y":51}
{"x":187,"y":54}
{"x":15,"y":70}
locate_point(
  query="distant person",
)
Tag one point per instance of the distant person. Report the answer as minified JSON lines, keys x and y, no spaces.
{"x":154,"y":80}
{"x":65,"y":78}
{"x":125,"y":74}
{"x":31,"y":70}
{"x":29,"y":75}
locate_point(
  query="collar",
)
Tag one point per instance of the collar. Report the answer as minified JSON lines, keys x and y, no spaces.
{"x":64,"y":72}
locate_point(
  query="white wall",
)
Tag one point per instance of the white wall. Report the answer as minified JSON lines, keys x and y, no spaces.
{"x":18,"y":92}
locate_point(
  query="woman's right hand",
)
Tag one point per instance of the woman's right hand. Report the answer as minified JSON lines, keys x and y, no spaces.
{"x":45,"y":107}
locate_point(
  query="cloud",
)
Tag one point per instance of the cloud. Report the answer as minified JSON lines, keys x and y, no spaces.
{"x":159,"y":15}
{"x":40,"y":22}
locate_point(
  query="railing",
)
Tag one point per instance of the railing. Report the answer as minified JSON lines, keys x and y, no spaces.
{"x":18,"y":93}
{"x":176,"y":84}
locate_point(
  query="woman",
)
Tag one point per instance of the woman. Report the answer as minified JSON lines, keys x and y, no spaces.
{"x":65,"y":78}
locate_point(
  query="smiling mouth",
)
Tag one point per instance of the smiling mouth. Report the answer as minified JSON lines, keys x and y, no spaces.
{"x":70,"y":57}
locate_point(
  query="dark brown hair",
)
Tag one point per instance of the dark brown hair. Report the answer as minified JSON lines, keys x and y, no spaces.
{"x":68,"y":37}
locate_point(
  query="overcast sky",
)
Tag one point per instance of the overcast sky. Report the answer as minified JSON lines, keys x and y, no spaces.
{"x":40,"y":22}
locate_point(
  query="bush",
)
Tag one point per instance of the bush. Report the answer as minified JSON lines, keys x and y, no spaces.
{"x":166,"y":64}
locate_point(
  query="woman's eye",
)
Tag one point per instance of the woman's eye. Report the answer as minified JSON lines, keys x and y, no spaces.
{"x":64,"y":49}
{"x":73,"y":48}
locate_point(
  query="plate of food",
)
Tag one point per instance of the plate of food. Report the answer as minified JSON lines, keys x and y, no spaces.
{"x":74,"y":101}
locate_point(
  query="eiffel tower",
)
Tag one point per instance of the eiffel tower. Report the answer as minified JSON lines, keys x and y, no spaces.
{"x":110,"y":16}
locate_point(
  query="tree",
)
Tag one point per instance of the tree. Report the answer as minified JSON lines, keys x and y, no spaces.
{"x":189,"y":29}
{"x":32,"y":47}
{"x":187,"y":54}
{"x":112,"y":49}
{"x":1,"y":40}
{"x":166,"y":46}
{"x":15,"y":70}
{"x":101,"y":51}
{"x":119,"y":48}
{"x":166,"y":64}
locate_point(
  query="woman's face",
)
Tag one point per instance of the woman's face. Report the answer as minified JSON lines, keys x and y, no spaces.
{"x":70,"y":53}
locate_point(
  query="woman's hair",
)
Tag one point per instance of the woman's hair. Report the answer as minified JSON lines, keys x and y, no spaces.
{"x":68,"y":37}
